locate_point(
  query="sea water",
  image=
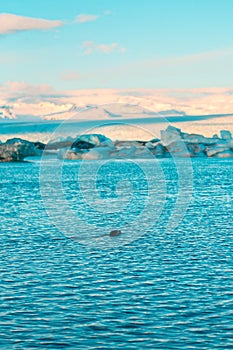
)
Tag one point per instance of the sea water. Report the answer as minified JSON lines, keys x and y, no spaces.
{"x":162,"y":289}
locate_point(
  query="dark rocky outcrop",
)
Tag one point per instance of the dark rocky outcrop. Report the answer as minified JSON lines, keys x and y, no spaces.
{"x":16,"y":150}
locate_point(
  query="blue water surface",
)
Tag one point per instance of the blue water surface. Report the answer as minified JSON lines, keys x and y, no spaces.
{"x":162,"y":291}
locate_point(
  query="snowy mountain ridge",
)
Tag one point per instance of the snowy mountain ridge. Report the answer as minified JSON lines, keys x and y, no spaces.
{"x":6,"y":113}
{"x":52,"y":111}
{"x":23,"y":101}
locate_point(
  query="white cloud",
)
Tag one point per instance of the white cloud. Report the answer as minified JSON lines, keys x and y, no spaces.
{"x":91,"y":47}
{"x":23,"y":90}
{"x":83,"y":18}
{"x":10,"y":23}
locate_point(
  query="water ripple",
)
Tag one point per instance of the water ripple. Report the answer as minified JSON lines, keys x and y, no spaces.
{"x":160,"y":292}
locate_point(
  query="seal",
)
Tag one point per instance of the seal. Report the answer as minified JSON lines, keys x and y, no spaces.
{"x":115,"y":233}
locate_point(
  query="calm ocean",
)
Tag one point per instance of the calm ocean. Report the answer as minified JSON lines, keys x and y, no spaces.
{"x":160,"y":290}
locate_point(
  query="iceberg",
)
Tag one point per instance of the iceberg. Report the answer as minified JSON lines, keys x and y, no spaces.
{"x":173,"y":142}
{"x":16,"y":150}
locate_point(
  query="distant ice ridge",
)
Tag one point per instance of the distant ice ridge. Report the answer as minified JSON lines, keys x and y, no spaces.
{"x":172,"y":142}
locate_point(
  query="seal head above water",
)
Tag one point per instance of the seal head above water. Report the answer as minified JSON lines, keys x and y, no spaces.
{"x":115,"y":233}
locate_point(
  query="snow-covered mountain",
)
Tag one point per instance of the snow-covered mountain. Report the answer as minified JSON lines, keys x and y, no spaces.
{"x":44,"y":102}
{"x":44,"y":110}
{"x":34,"y":112}
{"x":6,"y":113}
{"x":53,"y":111}
{"x":111,"y":111}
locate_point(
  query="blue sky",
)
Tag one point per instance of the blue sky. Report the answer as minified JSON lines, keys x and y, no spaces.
{"x":118,"y":43}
